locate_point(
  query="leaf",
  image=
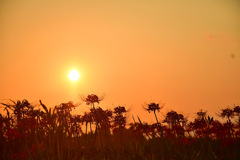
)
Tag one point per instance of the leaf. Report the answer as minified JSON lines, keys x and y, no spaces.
{"x":7,"y":112}
{"x":13,"y":101}
{"x":143,"y":127}
{"x":7,"y":106}
{"x":134,"y":120}
{"x":44,"y":107}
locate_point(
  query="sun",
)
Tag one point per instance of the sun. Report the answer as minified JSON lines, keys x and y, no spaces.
{"x":73,"y":75}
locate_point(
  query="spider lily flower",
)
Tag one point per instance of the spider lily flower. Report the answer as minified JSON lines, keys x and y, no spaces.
{"x":87,"y":117}
{"x":68,"y":105}
{"x":119,"y":110}
{"x":236,"y":109}
{"x":91,"y":99}
{"x":201,"y":114}
{"x":171,"y":117}
{"x":229,"y":113}
{"x":119,"y":121}
{"x":153,"y":107}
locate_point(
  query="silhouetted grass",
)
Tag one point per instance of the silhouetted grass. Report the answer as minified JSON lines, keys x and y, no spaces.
{"x":30,"y":133}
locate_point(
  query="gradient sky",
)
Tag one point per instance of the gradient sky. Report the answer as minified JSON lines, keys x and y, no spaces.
{"x":185,"y":53}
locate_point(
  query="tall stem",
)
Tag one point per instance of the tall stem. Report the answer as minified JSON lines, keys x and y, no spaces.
{"x":91,"y":127}
{"x":155,"y":116}
{"x":158,"y":123}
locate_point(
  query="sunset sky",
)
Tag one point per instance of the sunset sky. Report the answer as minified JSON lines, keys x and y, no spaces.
{"x":185,"y":53}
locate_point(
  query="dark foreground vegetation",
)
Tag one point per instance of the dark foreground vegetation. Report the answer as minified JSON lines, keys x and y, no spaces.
{"x":28,"y":132}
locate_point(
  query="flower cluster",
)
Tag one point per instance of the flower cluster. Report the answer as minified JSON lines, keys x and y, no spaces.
{"x":38,"y":128}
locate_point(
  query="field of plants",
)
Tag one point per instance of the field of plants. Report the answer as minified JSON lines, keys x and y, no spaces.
{"x":39,"y":132}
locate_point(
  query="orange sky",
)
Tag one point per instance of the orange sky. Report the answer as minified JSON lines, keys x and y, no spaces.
{"x":185,"y":53}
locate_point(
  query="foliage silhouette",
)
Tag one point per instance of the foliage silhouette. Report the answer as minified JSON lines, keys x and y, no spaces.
{"x":30,"y":132}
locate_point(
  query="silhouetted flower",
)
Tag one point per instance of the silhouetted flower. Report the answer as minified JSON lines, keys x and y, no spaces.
{"x":171,"y":117}
{"x":201,"y":114}
{"x":91,"y":99}
{"x":153,"y":107}
{"x":120,"y":110}
{"x":87,"y":117}
{"x":227,"y":113}
{"x":236,"y":109}
{"x":101,"y":116}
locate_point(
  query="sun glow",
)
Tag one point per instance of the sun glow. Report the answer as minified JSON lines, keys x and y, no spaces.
{"x":73,"y":75}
